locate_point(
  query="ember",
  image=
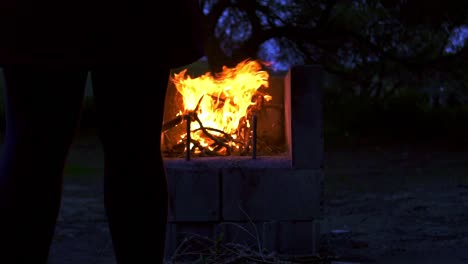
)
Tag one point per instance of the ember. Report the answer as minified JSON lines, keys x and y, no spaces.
{"x":220,"y":108}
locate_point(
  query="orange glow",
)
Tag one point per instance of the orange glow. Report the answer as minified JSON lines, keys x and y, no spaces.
{"x":223,"y":101}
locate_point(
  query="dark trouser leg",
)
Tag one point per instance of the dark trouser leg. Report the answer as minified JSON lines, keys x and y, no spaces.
{"x":42,"y":112}
{"x":129,"y":103}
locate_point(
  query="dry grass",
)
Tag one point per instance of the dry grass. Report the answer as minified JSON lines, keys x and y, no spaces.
{"x":199,"y":249}
{"x":203,"y":250}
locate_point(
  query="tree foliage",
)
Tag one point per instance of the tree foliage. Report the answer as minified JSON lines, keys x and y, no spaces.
{"x":379,"y":46}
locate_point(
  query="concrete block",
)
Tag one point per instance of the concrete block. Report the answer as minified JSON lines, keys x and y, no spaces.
{"x":256,"y":235}
{"x":304,"y":116}
{"x":194,"y":194}
{"x":236,"y":162}
{"x":266,"y":194}
{"x":298,"y":238}
{"x":171,"y":241}
{"x":179,"y":234}
{"x":261,"y":203}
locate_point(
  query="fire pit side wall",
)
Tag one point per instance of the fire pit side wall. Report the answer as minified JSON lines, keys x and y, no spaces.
{"x":278,"y":198}
{"x":304,"y":116}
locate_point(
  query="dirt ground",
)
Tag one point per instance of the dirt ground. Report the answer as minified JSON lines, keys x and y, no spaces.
{"x":397,"y":205}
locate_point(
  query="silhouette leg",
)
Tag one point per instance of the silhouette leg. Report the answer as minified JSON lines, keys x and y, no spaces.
{"x":42,"y":113}
{"x":129,"y":103}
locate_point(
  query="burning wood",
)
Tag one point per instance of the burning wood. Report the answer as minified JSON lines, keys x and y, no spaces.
{"x":220,"y":108}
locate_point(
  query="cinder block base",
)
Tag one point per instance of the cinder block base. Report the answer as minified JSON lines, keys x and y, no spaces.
{"x":264,"y":203}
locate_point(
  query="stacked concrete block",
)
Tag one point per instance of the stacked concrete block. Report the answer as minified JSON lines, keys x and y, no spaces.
{"x":276,"y":198}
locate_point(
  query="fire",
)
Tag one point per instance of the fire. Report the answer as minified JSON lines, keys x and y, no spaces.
{"x":221,"y":103}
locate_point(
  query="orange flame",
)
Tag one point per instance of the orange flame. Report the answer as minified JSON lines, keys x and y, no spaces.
{"x":222,"y":100}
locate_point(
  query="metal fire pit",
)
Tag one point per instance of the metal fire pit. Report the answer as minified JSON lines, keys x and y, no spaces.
{"x":277,"y":198}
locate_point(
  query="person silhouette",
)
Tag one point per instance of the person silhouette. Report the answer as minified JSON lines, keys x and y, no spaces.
{"x":46,"y":51}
